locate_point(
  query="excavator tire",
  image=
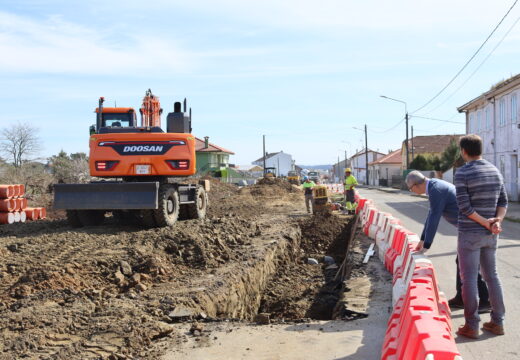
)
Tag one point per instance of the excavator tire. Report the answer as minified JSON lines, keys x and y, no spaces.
{"x":91,"y":217}
{"x":198,"y":209}
{"x":73,"y":218}
{"x":169,"y":205}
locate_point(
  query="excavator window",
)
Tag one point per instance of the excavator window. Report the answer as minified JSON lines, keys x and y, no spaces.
{"x":119,"y":120}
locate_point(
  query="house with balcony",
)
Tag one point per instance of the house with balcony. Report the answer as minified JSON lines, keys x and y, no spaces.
{"x":211,"y":158}
{"x":494,"y":117}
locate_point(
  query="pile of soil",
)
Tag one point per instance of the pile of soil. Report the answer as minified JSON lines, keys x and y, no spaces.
{"x":107,"y":292}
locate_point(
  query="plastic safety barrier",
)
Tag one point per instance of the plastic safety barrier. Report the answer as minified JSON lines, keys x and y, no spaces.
{"x":420,"y":324}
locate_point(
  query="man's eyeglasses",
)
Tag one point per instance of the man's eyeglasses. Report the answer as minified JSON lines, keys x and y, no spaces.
{"x":411,"y":187}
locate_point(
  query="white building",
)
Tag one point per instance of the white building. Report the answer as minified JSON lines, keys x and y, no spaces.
{"x":359,"y":165}
{"x":384,"y":169}
{"x":494,"y":117}
{"x":283,"y":162}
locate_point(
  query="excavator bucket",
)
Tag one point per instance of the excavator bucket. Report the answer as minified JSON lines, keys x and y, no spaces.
{"x":106,"y":196}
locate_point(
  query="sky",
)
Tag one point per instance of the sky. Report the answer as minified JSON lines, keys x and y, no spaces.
{"x":307,"y":75}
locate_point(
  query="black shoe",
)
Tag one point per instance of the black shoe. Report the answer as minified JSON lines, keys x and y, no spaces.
{"x":456,"y":303}
{"x":484,"y":308}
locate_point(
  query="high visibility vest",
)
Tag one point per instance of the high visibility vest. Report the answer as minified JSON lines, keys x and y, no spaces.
{"x":350,"y":182}
{"x":307,"y":186}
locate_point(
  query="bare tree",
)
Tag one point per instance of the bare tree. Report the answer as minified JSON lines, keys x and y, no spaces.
{"x":19,"y":142}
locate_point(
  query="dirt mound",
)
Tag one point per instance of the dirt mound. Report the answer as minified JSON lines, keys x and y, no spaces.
{"x":272,"y":187}
{"x":95,"y":292}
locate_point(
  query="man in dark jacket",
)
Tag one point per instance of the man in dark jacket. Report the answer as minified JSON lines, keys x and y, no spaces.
{"x":443,"y":202}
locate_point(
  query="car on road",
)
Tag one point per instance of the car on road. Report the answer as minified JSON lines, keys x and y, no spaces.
{"x":314,"y":176}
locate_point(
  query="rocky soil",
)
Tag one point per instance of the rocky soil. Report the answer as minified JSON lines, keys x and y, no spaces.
{"x":113,"y":292}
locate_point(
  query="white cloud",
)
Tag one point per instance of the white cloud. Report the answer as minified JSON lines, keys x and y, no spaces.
{"x":329,"y":15}
{"x":57,"y":46}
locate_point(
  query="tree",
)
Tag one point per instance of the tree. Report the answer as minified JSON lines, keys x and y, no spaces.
{"x":420,"y":163}
{"x":73,"y":168}
{"x":19,"y":142}
{"x":451,"y":157}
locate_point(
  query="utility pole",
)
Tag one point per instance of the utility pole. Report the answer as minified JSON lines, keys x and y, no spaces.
{"x":407,"y":149}
{"x":264,"y":154}
{"x":406,"y":117}
{"x":412,"y":143}
{"x":366,"y":154}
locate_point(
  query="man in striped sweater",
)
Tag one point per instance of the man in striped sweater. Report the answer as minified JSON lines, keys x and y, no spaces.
{"x":482,"y":202}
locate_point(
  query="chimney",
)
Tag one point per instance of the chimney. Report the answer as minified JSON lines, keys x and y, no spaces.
{"x":206,"y":142}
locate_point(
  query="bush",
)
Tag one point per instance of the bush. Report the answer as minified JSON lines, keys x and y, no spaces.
{"x":69,"y":169}
{"x":420,"y":163}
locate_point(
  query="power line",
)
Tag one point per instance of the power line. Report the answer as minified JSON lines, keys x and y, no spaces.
{"x":478,"y":67}
{"x":434,"y":119}
{"x":390,"y":129}
{"x":467,"y":62}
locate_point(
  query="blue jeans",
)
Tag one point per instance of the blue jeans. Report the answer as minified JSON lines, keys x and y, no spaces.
{"x":474,"y":250}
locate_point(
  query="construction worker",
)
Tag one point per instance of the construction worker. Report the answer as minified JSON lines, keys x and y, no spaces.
{"x":350,"y":183}
{"x":307,"y":188}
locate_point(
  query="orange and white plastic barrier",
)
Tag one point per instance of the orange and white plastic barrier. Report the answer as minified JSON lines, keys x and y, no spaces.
{"x":13,"y":205}
{"x":420,"y":325}
{"x":335,"y":188}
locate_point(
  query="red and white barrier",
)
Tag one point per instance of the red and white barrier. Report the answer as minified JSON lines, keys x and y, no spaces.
{"x":420,"y":324}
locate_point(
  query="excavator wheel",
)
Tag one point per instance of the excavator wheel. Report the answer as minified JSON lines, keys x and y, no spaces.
{"x":73,"y":218}
{"x":168,"y":211}
{"x":91,"y":217}
{"x":198,"y":209}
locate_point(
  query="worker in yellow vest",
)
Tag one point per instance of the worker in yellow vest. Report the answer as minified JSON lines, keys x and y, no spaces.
{"x":350,"y":183}
{"x":307,"y":185}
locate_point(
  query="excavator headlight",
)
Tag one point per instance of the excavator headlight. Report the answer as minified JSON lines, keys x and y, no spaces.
{"x":106,"y":165}
{"x":178,"y":164}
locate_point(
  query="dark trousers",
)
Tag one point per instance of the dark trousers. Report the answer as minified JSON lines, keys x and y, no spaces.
{"x":482,"y":287}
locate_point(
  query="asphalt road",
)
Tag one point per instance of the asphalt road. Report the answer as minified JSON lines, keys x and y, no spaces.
{"x":412,"y":211}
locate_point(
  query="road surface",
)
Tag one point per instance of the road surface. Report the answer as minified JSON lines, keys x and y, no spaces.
{"x":412,"y":211}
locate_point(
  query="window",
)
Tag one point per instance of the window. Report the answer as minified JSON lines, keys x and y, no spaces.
{"x":479,"y":119}
{"x":488,"y":118}
{"x":502,"y":112}
{"x":514,"y":109}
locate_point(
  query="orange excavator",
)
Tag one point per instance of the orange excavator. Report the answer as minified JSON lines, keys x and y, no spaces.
{"x":139,"y":168}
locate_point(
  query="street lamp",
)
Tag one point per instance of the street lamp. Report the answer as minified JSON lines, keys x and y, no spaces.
{"x":366,"y":151}
{"x":406,"y":117}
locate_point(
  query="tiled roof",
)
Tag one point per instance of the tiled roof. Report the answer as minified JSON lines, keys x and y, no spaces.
{"x":393,"y":158}
{"x":269,"y":155}
{"x":200,"y":147}
{"x":431,"y":144}
{"x":496,"y":89}
{"x":362,"y":152}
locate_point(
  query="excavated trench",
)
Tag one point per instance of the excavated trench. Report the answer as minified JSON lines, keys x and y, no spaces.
{"x":281,"y":281}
